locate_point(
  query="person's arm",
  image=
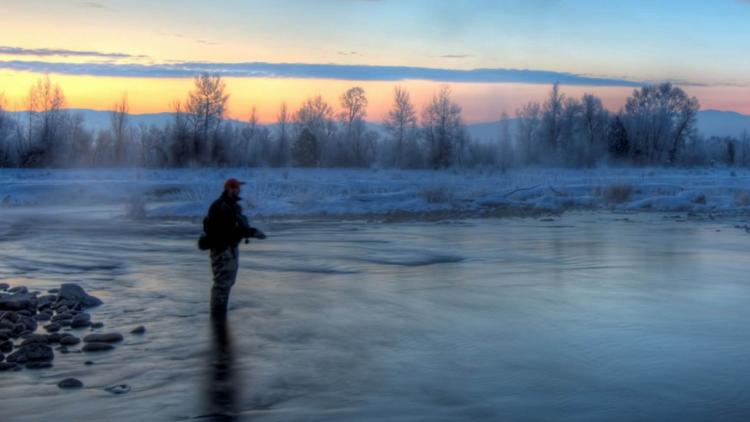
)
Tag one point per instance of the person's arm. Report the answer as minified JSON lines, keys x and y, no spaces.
{"x":247,"y":230}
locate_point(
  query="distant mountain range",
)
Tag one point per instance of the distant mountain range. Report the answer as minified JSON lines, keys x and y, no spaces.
{"x":710,"y":123}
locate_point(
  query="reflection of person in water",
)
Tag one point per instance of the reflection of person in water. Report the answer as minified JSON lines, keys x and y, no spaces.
{"x":221,"y":388}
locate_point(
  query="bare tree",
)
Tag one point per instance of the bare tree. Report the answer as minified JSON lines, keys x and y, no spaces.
{"x":552,"y":111}
{"x":505,"y":143}
{"x":317,"y":116}
{"x":354,"y":105}
{"x":529,"y":123}
{"x":119,"y":126}
{"x":46,"y":118}
{"x":443,"y":129}
{"x":205,"y":109}
{"x":281,"y":157}
{"x":659,"y":119}
{"x":401,"y":126}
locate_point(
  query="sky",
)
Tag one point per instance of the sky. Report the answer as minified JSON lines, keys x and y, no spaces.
{"x":495,"y":55}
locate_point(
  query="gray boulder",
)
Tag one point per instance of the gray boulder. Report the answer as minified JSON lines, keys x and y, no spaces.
{"x":69,"y":340}
{"x":103,"y":338}
{"x":70,"y":383}
{"x":71,"y":293}
{"x":97,"y":347}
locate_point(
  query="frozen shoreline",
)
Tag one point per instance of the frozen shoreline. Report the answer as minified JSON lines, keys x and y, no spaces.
{"x":389,"y":194}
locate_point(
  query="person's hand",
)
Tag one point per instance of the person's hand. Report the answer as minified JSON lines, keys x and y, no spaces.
{"x":259,"y":234}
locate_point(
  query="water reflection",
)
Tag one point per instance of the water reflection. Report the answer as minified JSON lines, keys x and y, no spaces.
{"x":222,"y":382}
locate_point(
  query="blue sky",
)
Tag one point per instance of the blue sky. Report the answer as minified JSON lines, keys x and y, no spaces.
{"x":584,"y":42}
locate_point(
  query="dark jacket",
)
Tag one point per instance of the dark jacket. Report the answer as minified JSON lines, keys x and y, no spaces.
{"x":225,"y":224}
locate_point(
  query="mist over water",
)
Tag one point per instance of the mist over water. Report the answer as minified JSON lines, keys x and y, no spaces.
{"x":590,"y":316}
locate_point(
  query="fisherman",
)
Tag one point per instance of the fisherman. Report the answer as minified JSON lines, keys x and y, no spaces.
{"x":224,"y":228}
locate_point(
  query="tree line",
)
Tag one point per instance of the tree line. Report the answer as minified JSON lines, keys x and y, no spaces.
{"x":656,"y":126}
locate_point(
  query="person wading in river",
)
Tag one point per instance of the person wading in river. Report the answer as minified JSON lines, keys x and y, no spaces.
{"x":224,"y":227}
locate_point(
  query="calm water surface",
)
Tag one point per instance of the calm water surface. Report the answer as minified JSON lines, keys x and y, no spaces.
{"x":587,"y":317}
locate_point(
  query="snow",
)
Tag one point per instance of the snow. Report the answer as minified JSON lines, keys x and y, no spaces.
{"x":271,"y":193}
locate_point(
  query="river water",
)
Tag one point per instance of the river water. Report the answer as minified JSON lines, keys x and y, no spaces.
{"x":588,"y":316}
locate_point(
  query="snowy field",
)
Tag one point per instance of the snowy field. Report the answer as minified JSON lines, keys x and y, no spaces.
{"x":283,"y":193}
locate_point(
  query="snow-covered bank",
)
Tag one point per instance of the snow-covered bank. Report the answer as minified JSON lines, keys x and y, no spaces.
{"x":273,"y":193}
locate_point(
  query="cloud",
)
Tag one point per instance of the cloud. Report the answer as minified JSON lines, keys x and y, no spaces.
{"x":93,"y":5}
{"x":18,"y":51}
{"x":456,"y":56}
{"x":319,"y":71}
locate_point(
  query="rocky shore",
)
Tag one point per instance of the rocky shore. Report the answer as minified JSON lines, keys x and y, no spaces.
{"x":34,"y":326}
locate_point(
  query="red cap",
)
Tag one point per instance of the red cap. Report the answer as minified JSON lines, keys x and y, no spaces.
{"x":232,"y":183}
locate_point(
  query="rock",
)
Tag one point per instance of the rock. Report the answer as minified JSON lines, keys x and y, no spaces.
{"x":9,"y":316}
{"x":28,"y":323}
{"x":63,"y":315}
{"x":17,"y":302}
{"x":43,"y":317}
{"x":95,"y":325}
{"x":37,"y":352}
{"x":118,"y":389}
{"x":53,"y":291}
{"x":74,"y":294}
{"x":69,"y":340}
{"x":138,"y":330}
{"x":9,"y":366}
{"x":81,"y":320}
{"x":46,"y":300}
{"x":7,"y":325}
{"x":6,"y":347}
{"x":19,"y":356}
{"x":38,"y":365}
{"x":88,"y":363}
{"x":53,"y":338}
{"x":53,"y":328}
{"x":4,"y":286}
{"x":2,"y":357}
{"x":70,"y":383}
{"x":103,"y":338}
{"x":18,"y":289}
{"x":35,"y":338}
{"x":5,"y":334}
{"x":97,"y":347}
{"x":65,"y":322}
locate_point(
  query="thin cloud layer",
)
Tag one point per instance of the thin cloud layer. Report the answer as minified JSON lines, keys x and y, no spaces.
{"x":46,"y":52}
{"x":316,"y":71}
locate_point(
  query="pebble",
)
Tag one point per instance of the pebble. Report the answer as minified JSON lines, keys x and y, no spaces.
{"x":53,"y":338}
{"x":70,"y":383}
{"x":103,"y":338}
{"x":118,"y":389}
{"x":69,"y":340}
{"x":43,"y":316}
{"x":35,"y":338}
{"x":88,"y":363}
{"x":53,"y":328}
{"x":6,"y":347}
{"x":95,"y":325}
{"x":97,"y":347}
{"x":9,"y":366}
{"x":81,"y":320}
{"x":138,"y":330}
{"x":2,"y":357}
{"x":18,"y":289}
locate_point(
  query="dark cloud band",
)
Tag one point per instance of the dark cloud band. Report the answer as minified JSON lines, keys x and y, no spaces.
{"x":42,"y":52}
{"x":318,"y":71}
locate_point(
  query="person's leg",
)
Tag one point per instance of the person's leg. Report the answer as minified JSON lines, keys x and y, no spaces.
{"x":224,"y":265}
